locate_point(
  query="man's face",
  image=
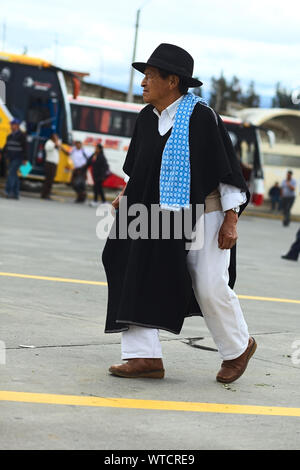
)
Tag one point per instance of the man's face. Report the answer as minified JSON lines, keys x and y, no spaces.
{"x":14,"y":127}
{"x":155,"y":88}
{"x":78,"y":145}
{"x":289,"y":176}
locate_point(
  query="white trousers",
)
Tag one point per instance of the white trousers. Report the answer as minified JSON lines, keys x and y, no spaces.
{"x":219,"y":304}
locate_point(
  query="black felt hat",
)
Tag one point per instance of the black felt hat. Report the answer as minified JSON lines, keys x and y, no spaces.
{"x":173,"y":59}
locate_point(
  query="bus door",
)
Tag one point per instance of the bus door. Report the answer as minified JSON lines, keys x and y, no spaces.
{"x":43,"y":117}
{"x":246,"y":142}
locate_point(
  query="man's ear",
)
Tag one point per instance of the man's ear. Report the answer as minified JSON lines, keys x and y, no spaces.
{"x":173,"y":81}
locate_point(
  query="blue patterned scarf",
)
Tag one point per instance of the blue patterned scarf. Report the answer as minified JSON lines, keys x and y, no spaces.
{"x":175,"y":165}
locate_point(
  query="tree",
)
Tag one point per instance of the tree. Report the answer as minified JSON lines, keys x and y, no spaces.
{"x":283,"y":99}
{"x":223,"y":91}
{"x":250,"y":98}
{"x":198,"y":90}
{"x":234,"y":90}
{"x":219,"y":92}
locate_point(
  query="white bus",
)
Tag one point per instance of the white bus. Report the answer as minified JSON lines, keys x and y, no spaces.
{"x":111,"y":123}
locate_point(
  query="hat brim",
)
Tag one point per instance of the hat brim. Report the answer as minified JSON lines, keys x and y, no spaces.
{"x":190,"y":81}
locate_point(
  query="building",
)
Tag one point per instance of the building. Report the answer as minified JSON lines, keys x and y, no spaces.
{"x":284,"y":153}
{"x":95,"y":90}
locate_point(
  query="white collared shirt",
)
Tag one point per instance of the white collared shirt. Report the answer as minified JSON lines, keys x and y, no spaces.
{"x":167,"y":116}
{"x":78,"y":157}
{"x":52,"y":153}
{"x":231,"y":196}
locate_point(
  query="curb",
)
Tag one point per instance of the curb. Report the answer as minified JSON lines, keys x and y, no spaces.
{"x":110,"y":197}
{"x":266,"y":215}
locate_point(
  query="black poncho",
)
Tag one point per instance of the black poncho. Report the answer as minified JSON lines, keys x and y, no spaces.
{"x":148,"y":280}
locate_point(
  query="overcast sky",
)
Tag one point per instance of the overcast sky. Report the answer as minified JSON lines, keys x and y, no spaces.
{"x":256,"y":40}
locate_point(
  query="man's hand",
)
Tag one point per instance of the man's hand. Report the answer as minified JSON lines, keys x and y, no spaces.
{"x":117,"y":200}
{"x":291,"y":186}
{"x":228,"y":231}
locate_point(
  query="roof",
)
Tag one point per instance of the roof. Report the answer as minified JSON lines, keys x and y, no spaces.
{"x":259,"y":116}
{"x":92,"y":101}
{"x":24,"y":59}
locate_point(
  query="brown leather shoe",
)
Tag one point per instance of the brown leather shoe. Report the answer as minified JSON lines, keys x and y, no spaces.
{"x":139,"y":367}
{"x":233,"y":369}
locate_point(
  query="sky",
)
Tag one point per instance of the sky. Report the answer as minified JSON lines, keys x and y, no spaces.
{"x":256,"y":40}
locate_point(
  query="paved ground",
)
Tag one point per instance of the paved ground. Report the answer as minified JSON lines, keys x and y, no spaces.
{"x":65,"y":398}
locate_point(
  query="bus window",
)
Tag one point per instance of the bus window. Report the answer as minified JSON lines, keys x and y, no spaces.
{"x":116,"y":123}
{"x":85,"y":120}
{"x":75,"y":113}
{"x":97,"y":114}
{"x":103,"y":121}
{"x":129,"y":123}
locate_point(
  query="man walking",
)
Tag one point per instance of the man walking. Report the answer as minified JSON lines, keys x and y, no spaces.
{"x":51,"y":161}
{"x":294,"y":250}
{"x":79,"y":173}
{"x":180,"y":157}
{"x":274,"y":194}
{"x":100,"y":171}
{"x":15,"y":151}
{"x":288,"y":189}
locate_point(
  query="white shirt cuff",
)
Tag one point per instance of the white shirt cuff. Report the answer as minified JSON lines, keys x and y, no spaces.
{"x":231,"y":196}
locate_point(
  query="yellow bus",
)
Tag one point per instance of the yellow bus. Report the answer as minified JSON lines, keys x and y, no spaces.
{"x":36,"y":94}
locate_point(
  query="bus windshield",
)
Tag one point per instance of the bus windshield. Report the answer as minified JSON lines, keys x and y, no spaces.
{"x":245,"y":140}
{"x":36,"y":95}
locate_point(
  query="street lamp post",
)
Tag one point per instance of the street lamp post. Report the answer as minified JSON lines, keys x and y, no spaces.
{"x":130,"y":89}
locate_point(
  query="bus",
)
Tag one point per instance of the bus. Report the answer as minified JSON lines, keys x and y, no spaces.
{"x":246,"y":139}
{"x":36,"y":94}
{"x":111,"y":123}
{"x":108,"y":122}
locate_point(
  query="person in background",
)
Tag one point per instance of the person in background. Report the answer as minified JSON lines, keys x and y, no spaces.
{"x":294,"y":251}
{"x":3,"y":164}
{"x":52,"y":147}
{"x":100,"y":171}
{"x":15,"y":151}
{"x":80,"y":160}
{"x":288,"y":189}
{"x":274,"y":195}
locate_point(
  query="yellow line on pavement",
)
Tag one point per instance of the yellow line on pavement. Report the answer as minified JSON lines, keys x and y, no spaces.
{"x":99,"y":283}
{"x":52,"y":399}
{"x":55,"y":279}
{"x":269,"y":299}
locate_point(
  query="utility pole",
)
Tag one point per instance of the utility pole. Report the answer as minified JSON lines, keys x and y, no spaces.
{"x":56,"y":49}
{"x":130,"y":89}
{"x":3,"y":35}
